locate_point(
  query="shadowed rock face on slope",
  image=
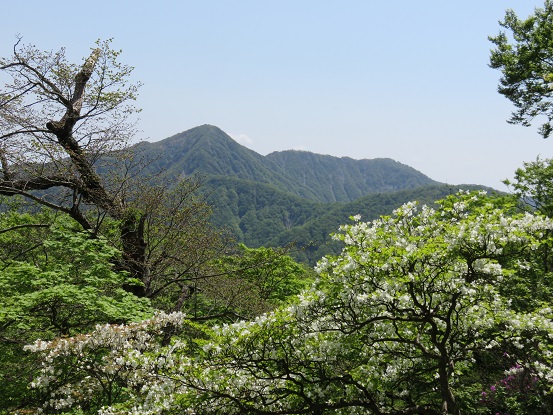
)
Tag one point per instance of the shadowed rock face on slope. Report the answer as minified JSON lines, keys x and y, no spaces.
{"x":211,"y":152}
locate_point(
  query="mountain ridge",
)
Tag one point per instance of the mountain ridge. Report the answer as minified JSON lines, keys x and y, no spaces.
{"x":209,"y":151}
{"x":288,"y":197}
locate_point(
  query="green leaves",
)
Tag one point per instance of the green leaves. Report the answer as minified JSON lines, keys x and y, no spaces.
{"x":414,"y":316}
{"x":69,"y":287}
{"x":248,"y":283}
{"x":526,"y":62}
{"x":533,"y":184}
{"x":395,"y":323}
{"x":55,"y":281}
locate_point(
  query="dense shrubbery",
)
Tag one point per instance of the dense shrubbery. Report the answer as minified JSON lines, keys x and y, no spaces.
{"x":414,"y":316}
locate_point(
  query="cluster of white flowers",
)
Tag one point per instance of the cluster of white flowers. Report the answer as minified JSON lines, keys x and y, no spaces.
{"x":77,"y":369}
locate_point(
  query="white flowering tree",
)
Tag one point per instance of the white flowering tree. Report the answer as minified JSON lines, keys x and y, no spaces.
{"x":413,"y":317}
{"x":402,"y":322}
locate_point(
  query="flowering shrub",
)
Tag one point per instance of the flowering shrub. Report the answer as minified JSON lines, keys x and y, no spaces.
{"x":521,"y":390}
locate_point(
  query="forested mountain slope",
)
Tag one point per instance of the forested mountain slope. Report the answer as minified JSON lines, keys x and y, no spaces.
{"x":288,"y":196}
{"x":313,"y":238}
{"x":343,"y":179}
{"x":209,"y":151}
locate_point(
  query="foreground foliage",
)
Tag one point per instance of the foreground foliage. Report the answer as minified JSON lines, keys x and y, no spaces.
{"x":59,"y":282}
{"x":56,"y":281}
{"x":415,"y":316}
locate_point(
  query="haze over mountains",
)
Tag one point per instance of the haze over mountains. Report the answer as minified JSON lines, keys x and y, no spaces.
{"x":288,"y":196}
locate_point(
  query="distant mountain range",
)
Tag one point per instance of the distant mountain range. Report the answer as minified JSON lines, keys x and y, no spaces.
{"x":288,"y":196}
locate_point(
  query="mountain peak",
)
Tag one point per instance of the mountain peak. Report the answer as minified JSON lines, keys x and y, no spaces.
{"x":206,"y":131}
{"x":210,"y":151}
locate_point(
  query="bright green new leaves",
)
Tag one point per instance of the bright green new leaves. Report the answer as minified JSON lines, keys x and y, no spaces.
{"x":275,"y":275}
{"x":249,"y":283}
{"x":533,"y":184}
{"x":55,"y":281}
{"x":72,"y":288}
{"x":526,"y":62}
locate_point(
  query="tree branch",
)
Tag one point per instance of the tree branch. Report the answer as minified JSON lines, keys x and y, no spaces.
{"x":30,"y":225}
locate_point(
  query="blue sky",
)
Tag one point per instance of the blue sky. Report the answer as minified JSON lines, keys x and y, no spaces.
{"x":408,"y":80}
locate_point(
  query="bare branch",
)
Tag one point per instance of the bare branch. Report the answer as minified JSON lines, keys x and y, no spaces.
{"x":30,"y":225}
